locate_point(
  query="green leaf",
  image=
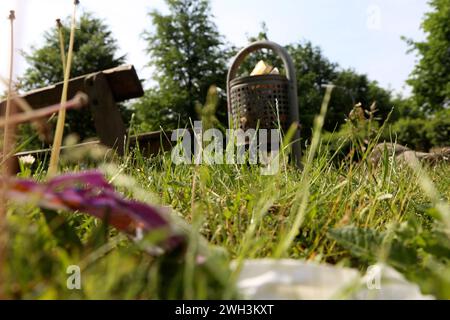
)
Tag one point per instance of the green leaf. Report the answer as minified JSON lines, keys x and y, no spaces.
{"x":371,"y":245}
{"x":63,"y":232}
{"x":362,"y":243}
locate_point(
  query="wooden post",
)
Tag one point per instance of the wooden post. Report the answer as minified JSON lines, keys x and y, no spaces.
{"x":107,"y":119}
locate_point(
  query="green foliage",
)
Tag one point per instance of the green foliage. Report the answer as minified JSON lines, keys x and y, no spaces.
{"x":185,"y":74}
{"x":353,"y":215}
{"x":112,"y":266}
{"x":412,"y":133}
{"x":95,"y":49}
{"x":439,"y":129}
{"x":423,"y":134}
{"x":313,"y":70}
{"x":421,"y":253}
{"x":360,"y":132}
{"x":405,"y":108}
{"x":187,"y":53}
{"x":207,"y":112}
{"x":370,"y":245}
{"x":431,"y":77}
{"x":156,"y":110}
{"x":417,"y":133}
{"x":352,"y":89}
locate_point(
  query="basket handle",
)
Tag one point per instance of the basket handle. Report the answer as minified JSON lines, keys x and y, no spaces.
{"x":292,"y":85}
{"x":258,"y":45}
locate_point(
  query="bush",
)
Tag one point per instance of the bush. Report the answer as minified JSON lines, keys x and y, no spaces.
{"x":422,"y":134}
{"x":354,"y":137}
{"x":438,"y":130}
{"x":410,"y":132}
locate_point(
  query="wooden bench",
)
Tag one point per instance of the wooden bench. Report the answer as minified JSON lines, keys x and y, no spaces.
{"x":150,"y":143}
{"x":104,"y":89}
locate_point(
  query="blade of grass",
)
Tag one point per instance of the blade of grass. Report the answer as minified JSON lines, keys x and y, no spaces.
{"x":431,"y":191}
{"x":9,"y":129}
{"x":8,"y":144}
{"x":40,"y":125}
{"x":56,"y":150}
{"x":61,"y":44}
{"x":78,"y":101}
{"x":299,"y":209}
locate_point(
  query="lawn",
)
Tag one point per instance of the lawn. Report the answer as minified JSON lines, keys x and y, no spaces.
{"x":90,"y":223}
{"x":337,"y":212}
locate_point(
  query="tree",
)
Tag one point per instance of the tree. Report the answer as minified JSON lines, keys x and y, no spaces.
{"x":430,"y":78}
{"x":157,"y":109}
{"x":188,"y":55}
{"x":313,"y":71}
{"x":353,"y":88}
{"x":94,"y":49}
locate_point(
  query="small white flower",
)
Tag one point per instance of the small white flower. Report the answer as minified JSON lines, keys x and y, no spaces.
{"x":27,"y":160}
{"x":139,"y":234}
{"x":386,"y":196}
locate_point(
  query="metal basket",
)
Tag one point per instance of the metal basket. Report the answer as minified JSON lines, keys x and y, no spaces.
{"x":260,"y":101}
{"x":265,"y":101}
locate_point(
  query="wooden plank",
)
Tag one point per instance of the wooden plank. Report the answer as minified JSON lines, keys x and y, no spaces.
{"x":123,"y":81}
{"x":107,"y":119}
{"x":150,"y":143}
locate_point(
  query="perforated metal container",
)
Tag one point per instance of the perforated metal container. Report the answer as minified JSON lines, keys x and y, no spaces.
{"x":261,"y":101}
{"x":265,"y":101}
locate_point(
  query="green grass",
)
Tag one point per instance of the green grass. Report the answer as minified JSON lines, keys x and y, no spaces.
{"x":244,"y":215}
{"x":339,"y":212}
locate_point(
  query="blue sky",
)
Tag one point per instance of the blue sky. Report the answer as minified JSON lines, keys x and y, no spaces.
{"x":359,"y":34}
